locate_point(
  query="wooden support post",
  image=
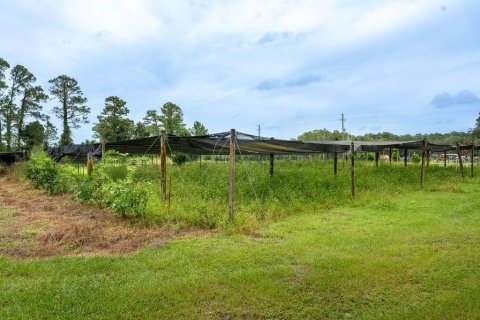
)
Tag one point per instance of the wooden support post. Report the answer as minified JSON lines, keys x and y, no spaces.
{"x":103,"y":150}
{"x":272,"y":159}
{"x":89,"y":164}
{"x":352,"y":156}
{"x":422,"y":170}
{"x":163,"y":165}
{"x":390,"y":155}
{"x":377,"y":158}
{"x":429,"y":154}
{"x":335,"y":163}
{"x":405,"y":155}
{"x":233,"y":142}
{"x":460,"y":162}
{"x":471,"y":160}
{"x":445,"y":159}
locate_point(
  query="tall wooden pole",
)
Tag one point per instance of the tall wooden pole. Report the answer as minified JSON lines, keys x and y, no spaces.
{"x":103,"y":149}
{"x":422,"y":170}
{"x":271,"y":164}
{"x":163,"y":166}
{"x":445,"y":159}
{"x":233,"y":139}
{"x":335,"y":163}
{"x":405,"y":154}
{"x":471,"y":160}
{"x":352,"y":157}
{"x":428,"y":158}
{"x":460,"y":161}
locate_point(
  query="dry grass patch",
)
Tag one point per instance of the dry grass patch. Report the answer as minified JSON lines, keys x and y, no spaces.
{"x":38,"y":225}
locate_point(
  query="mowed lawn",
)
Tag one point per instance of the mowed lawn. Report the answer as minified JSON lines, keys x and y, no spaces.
{"x":411,"y":256}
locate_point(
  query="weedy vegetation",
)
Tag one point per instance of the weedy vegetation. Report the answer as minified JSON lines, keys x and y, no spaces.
{"x":299,"y":247}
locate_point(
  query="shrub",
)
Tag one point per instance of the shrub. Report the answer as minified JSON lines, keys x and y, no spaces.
{"x":45,"y":174}
{"x":125,"y":197}
{"x":416,"y":158}
{"x":179,"y":158}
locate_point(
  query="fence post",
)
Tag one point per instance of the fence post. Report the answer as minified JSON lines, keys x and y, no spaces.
{"x":89,"y":164}
{"x":422,"y":170}
{"x":460,"y":162}
{"x":103,"y":150}
{"x":231,"y":190}
{"x":335,"y":163}
{"x":377,"y":158}
{"x":444,"y":159}
{"x":405,"y":154}
{"x":390,"y":155}
{"x":271,"y":164}
{"x":352,"y":156}
{"x":471,"y":160}
{"x":163,"y":166}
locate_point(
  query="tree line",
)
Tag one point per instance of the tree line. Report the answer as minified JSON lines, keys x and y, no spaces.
{"x":472,"y":136}
{"x":23,"y":122}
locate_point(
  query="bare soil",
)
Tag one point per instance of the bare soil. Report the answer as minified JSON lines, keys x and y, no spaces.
{"x":34,"y":224}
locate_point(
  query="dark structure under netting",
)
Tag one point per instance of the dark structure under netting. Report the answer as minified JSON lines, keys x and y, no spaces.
{"x":218,"y":144}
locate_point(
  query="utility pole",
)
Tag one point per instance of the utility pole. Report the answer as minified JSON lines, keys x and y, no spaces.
{"x":259,"y":130}
{"x":343,"y":119}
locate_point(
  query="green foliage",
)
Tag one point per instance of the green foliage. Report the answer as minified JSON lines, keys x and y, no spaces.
{"x":415,"y":158}
{"x":125,"y":197}
{"x":408,"y":256}
{"x":171,"y":118}
{"x":72,"y":110}
{"x":179,"y":158}
{"x":30,"y":107}
{"x":198,"y":129}
{"x":33,"y":134}
{"x":152,"y":122}
{"x":113,"y":124}
{"x":140,"y":131}
{"x":45,"y":174}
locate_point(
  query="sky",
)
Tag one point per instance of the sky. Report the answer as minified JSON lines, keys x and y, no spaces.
{"x":403,"y":66}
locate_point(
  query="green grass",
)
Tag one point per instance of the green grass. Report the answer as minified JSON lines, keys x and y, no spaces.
{"x":199,"y":194}
{"x":398,"y":253}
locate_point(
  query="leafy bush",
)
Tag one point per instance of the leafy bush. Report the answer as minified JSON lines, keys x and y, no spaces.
{"x":416,"y":158}
{"x":125,"y":197}
{"x":45,"y":174}
{"x":179,"y":158}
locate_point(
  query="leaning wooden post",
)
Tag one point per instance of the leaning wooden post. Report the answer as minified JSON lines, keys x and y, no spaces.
{"x":232,"y":174}
{"x":444,"y":159}
{"x":405,"y":154}
{"x":377,"y":158}
{"x":271,"y":164}
{"x":460,"y":161}
{"x":163,"y":166}
{"x":422,"y":170}
{"x":89,"y":164}
{"x":471,"y":160}
{"x":352,"y":156}
{"x":335,"y":163}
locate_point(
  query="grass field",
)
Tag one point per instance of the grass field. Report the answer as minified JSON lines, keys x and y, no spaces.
{"x":397,"y":252}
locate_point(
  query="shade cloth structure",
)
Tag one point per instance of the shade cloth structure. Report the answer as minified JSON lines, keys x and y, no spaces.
{"x":77,"y":152}
{"x":11,"y":157}
{"x":218,"y":144}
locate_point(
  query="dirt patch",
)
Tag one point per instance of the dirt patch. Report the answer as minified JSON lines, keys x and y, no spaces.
{"x":33,"y":224}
